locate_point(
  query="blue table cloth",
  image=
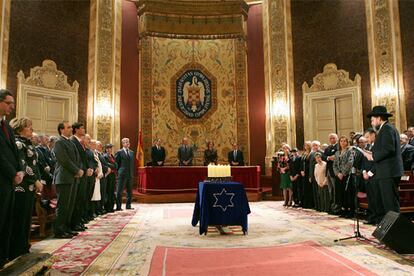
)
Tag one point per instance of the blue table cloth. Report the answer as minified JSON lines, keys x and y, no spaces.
{"x":220,"y":203}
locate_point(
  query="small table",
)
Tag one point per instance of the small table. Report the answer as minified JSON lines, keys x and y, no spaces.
{"x":220,"y":203}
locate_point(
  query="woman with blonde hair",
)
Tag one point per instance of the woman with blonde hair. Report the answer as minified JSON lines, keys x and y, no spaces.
{"x":25,"y":191}
{"x":308,"y":201}
{"x":283,"y":167}
{"x":342,"y":168}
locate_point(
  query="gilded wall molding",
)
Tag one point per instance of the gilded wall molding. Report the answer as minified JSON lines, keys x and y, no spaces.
{"x":280,"y":119}
{"x":385,"y":58}
{"x":330,"y":79}
{"x":4,"y":40}
{"x":192,"y":19}
{"x":104,"y":70}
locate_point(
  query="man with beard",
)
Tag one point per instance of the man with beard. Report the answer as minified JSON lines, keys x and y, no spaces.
{"x":386,"y":154}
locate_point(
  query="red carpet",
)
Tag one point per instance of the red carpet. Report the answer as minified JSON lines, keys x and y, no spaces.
{"x":75,"y":256}
{"x":306,"y":258}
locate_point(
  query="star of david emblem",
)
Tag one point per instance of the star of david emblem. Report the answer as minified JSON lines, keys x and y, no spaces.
{"x":223,"y":200}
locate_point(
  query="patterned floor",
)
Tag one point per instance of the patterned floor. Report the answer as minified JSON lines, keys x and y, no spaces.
{"x":270,"y":224}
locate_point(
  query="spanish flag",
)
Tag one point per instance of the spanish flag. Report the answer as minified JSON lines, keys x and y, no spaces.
{"x":140,"y":152}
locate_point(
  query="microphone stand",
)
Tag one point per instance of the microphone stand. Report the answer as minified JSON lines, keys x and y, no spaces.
{"x":357,"y":234}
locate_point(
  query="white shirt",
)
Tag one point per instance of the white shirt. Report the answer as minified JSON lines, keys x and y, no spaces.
{"x":77,"y":138}
{"x":320,"y":174}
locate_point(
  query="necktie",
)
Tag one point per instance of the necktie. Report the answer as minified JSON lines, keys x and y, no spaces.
{"x":5,"y":131}
{"x":235,"y":154}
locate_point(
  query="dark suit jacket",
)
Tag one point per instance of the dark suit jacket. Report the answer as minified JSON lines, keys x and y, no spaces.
{"x":411,"y":142}
{"x":386,"y":153}
{"x":125,"y":163}
{"x":157,"y":155}
{"x":91,"y":161}
{"x":68,"y":161}
{"x":82,"y":153}
{"x":42,"y":164}
{"x":294,"y":165}
{"x":407,"y":154}
{"x":329,"y":151}
{"x":185,"y":155}
{"x":104,"y":163}
{"x":368,"y":166}
{"x":239,"y":157}
{"x":9,"y":158}
{"x":113,"y":166}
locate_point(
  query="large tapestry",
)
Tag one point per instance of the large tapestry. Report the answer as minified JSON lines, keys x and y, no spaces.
{"x":195,"y":89}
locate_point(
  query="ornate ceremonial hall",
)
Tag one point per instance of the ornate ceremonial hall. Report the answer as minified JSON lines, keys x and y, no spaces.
{"x":209,"y":137}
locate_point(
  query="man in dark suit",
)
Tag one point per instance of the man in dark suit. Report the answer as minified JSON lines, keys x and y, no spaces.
{"x":410,"y":133}
{"x":67,"y":171}
{"x":329,"y":156}
{"x":294,"y":173}
{"x":368,"y":173}
{"x":235,"y":157}
{"x":125,"y":161}
{"x":407,"y":153}
{"x":45,"y":168}
{"x":157,"y":154}
{"x":77,"y":223}
{"x":103,"y":182}
{"x":10,"y":173}
{"x":185,"y":154}
{"x":90,"y":180}
{"x":110,"y":179}
{"x":386,"y":153}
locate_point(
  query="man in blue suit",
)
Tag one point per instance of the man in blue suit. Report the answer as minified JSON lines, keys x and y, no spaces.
{"x":185,"y":153}
{"x":235,"y":156}
{"x":10,"y":173}
{"x":124,"y":159}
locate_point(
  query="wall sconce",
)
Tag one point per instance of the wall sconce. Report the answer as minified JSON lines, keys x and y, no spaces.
{"x":103,"y":110}
{"x":280,"y":110}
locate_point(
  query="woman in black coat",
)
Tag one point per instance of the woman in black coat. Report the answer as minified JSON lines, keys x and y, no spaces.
{"x":25,"y":191}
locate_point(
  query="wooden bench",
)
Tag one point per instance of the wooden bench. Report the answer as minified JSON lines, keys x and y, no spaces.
{"x":406,"y":192}
{"x":43,"y":215}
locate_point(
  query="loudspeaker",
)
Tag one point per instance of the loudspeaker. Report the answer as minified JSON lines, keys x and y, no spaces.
{"x":397,"y":232}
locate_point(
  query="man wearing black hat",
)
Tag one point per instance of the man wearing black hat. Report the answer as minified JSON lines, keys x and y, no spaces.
{"x":386,"y":153}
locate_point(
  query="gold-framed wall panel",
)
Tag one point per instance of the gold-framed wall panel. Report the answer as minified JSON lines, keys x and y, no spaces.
{"x":4,"y":40}
{"x":160,"y":59}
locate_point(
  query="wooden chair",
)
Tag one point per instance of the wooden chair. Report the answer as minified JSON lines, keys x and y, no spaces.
{"x":45,"y":214}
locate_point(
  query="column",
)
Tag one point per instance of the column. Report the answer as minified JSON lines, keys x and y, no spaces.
{"x":385,"y":58}
{"x":4,"y":40}
{"x":104,"y":70}
{"x":279,"y":86}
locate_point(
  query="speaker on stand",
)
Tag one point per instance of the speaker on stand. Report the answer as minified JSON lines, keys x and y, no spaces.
{"x":397,"y":232}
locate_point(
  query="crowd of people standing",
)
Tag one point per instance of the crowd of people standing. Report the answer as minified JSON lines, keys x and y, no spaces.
{"x":328,"y":178}
{"x":88,"y":179}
